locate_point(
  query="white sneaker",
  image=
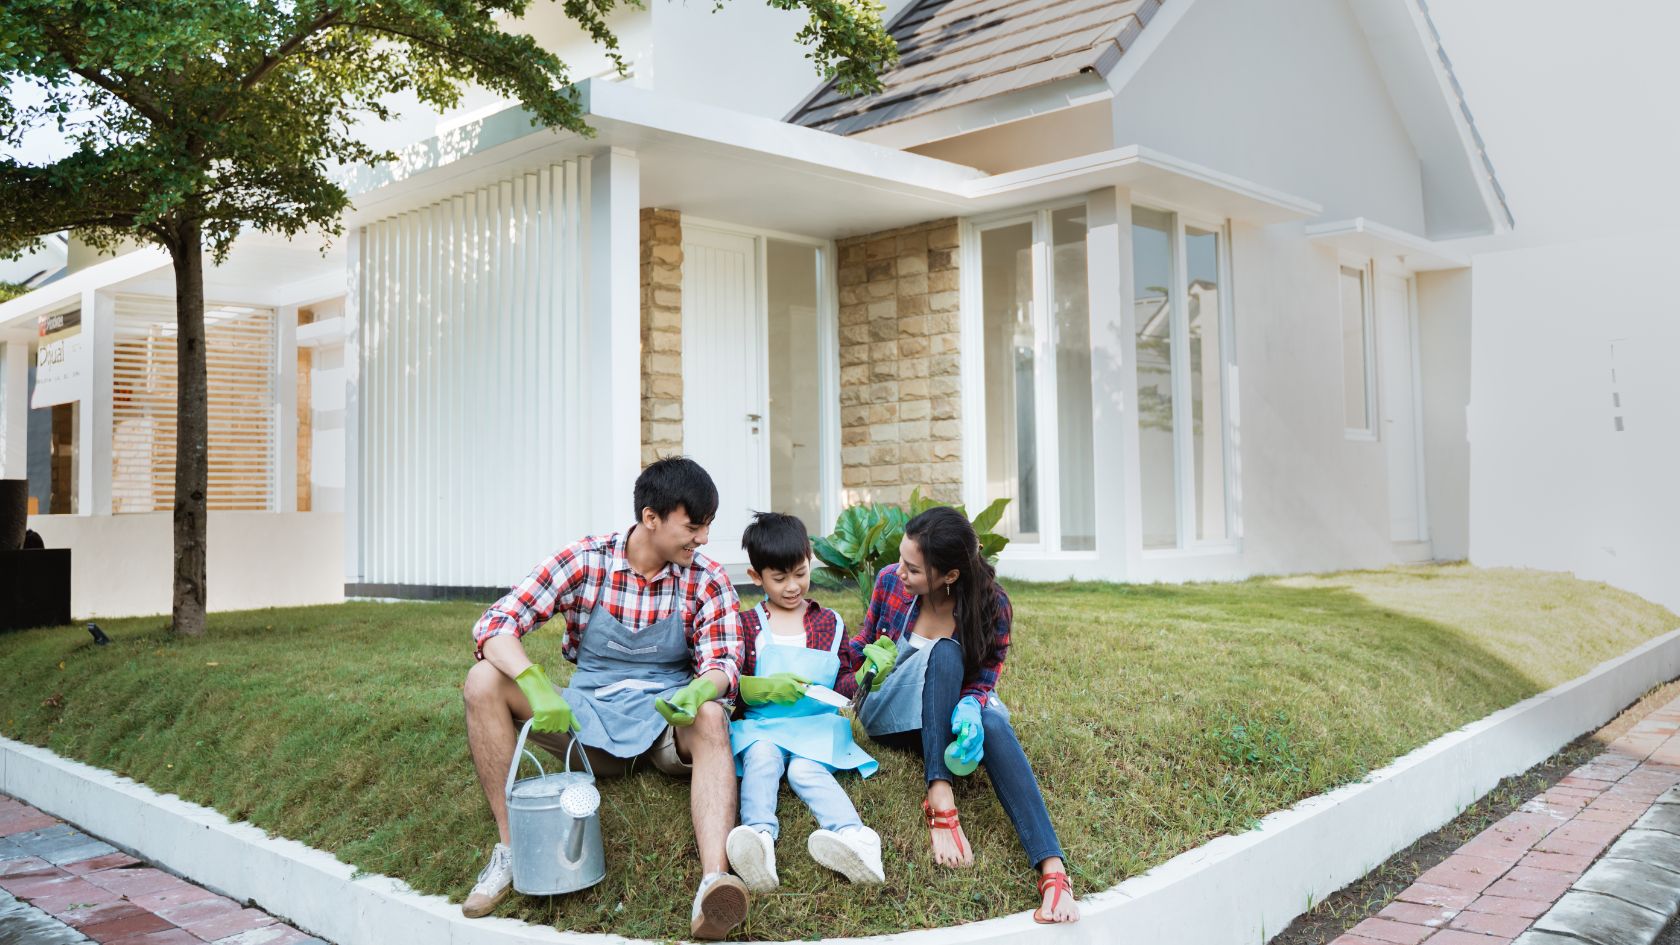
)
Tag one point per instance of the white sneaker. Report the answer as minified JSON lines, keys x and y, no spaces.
{"x":495,"y":881}
{"x":752,"y":855}
{"x":720,"y":904}
{"x":853,"y":852}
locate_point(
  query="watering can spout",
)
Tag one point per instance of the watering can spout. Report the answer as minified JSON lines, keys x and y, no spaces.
{"x":574,"y":840}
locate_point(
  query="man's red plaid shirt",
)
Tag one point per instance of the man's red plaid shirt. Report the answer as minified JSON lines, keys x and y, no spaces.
{"x":595,"y":569}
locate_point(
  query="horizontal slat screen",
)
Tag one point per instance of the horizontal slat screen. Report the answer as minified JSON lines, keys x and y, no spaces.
{"x":239,"y":354}
{"x":472,"y":341}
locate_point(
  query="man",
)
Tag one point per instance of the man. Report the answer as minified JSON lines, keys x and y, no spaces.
{"x":654,"y":628}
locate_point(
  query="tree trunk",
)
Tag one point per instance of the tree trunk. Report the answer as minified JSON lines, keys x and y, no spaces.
{"x":192,"y":424}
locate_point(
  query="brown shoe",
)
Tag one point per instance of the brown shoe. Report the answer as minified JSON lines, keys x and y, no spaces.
{"x":495,"y":881}
{"x":719,"y":905}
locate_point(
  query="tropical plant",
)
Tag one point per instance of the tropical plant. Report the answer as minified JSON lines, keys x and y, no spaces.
{"x":866,"y":538}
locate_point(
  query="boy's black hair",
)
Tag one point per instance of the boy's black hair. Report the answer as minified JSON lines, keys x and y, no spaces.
{"x":777,"y":541}
{"x":676,"y":481}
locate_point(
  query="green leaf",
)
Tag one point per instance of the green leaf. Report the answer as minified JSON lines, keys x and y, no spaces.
{"x":987,"y":520}
{"x":991,"y":544}
{"x":831,"y":556}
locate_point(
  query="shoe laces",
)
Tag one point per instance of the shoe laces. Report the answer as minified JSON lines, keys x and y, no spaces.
{"x":494,"y":874}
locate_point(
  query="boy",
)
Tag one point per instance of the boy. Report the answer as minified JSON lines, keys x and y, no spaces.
{"x":793,"y":642}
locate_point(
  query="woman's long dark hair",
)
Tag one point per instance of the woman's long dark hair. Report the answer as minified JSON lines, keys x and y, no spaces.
{"x":948,"y":543}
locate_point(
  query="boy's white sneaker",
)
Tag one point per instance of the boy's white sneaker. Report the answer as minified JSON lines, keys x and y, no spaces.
{"x":752,"y":855}
{"x":853,"y":852}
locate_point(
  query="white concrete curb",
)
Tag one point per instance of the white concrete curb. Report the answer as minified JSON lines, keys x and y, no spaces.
{"x":1235,"y":890}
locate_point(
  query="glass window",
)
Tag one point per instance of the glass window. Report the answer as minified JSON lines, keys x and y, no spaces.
{"x":1207,"y":416}
{"x":1356,"y":369}
{"x":51,"y":447}
{"x":795,"y":378}
{"x":1070,"y":299}
{"x":1181,"y":354}
{"x":1006,"y":275}
{"x":1152,"y":273}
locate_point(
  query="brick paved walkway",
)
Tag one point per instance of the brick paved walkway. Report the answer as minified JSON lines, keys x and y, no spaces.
{"x":114,"y":899}
{"x":1495,"y":886}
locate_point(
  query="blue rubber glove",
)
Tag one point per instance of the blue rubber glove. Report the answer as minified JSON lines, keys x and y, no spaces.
{"x":970,"y":733}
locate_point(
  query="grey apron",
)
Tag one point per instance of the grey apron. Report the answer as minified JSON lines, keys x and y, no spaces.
{"x":897,"y":705}
{"x":619,"y":674}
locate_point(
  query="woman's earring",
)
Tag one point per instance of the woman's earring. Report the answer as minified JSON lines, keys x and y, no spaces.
{"x":947,"y":589}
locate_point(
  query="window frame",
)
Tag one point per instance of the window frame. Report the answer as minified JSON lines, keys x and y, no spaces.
{"x":1370,"y":432}
{"x":1184,"y":462}
{"x":1046,"y":406}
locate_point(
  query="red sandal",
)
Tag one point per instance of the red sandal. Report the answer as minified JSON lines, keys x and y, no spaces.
{"x":1058,"y":881}
{"x":945,"y":820}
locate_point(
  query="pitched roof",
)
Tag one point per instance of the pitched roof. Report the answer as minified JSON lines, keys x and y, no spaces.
{"x":956,"y":51}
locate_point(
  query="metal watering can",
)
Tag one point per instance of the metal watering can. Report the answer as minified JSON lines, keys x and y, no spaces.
{"x":554,"y":825}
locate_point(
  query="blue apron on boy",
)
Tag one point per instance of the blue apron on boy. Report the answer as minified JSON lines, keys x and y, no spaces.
{"x":620,"y":673}
{"x":807,"y":728}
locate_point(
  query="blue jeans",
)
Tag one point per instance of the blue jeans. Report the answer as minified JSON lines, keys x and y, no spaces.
{"x":1006,"y":764}
{"x":761,"y":779}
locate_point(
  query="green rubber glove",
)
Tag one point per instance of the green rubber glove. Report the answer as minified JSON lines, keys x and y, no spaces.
{"x":879,"y":656}
{"x":686,"y":702}
{"x":780,"y":688}
{"x":549,"y":712}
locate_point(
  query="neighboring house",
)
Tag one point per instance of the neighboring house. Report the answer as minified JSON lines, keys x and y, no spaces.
{"x":1164,"y":274}
{"x":38,"y":266}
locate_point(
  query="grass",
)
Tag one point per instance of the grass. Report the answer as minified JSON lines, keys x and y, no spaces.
{"x":1157,"y":717}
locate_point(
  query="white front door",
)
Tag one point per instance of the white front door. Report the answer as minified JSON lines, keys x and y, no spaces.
{"x":724,"y":391}
{"x":1396,"y":375}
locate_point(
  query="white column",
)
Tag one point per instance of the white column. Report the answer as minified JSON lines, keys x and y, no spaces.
{"x":285,"y":405}
{"x":1114,"y":382}
{"x":613,"y":315}
{"x":93,"y":428}
{"x":14,"y":408}
{"x":353,"y":308}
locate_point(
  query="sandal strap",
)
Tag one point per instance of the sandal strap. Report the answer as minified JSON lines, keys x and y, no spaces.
{"x":945,"y":819}
{"x":1057,"y":880}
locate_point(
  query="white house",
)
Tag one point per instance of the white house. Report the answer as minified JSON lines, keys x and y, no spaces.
{"x":1168,"y":275}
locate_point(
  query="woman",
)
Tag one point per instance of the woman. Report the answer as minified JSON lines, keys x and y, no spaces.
{"x":941,"y":617}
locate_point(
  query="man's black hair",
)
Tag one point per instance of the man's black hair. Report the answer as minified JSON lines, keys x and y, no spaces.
{"x":776,"y":541}
{"x":676,"y":481}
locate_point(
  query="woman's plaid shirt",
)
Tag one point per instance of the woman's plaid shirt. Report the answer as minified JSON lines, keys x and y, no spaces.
{"x":892,"y":612}
{"x":595,"y":570}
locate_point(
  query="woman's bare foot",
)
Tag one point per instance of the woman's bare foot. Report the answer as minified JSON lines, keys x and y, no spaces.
{"x":1057,"y":904}
{"x":950,"y":844}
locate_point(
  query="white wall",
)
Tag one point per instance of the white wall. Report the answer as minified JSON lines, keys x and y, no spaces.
{"x":1444,"y":336}
{"x":326,"y":441}
{"x":1285,"y":95}
{"x":1312,"y":499}
{"x":1553,"y":484}
{"x":120,"y":565}
{"x":496,"y":375}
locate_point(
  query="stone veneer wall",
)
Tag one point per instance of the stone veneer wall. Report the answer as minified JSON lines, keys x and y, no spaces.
{"x":900,"y":389}
{"x":662,"y":382}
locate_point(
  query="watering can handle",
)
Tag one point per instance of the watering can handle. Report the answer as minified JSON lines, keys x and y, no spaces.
{"x":582,"y":755}
{"x":520,"y":749}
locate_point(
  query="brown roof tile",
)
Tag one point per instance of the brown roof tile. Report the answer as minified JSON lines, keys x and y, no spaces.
{"x":952,"y":52}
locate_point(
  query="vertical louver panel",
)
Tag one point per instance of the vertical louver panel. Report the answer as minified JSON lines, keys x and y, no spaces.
{"x":240,"y":363}
{"x":470,"y":357}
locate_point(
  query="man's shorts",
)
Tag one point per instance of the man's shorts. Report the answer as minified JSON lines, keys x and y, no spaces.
{"x":662,"y":755}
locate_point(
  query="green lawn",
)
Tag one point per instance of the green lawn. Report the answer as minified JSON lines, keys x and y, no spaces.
{"x":1157,"y":717}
